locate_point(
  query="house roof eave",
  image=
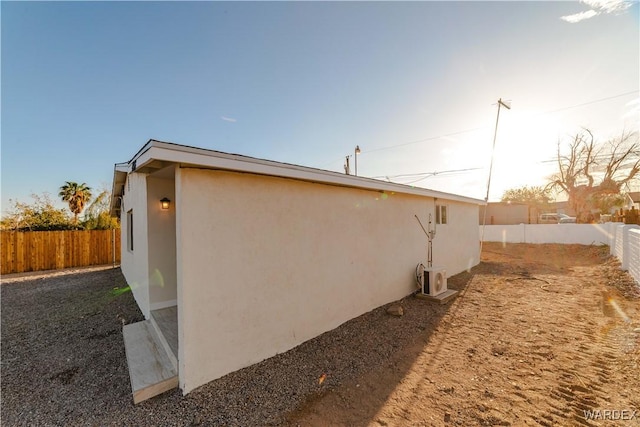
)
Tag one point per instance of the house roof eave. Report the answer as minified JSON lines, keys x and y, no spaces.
{"x":120,"y":171}
{"x":157,"y":154}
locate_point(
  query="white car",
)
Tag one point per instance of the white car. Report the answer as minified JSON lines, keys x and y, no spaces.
{"x":556,"y":218}
{"x":566,"y":219}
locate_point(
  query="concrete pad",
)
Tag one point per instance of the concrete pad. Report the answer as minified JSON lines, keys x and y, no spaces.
{"x":442,"y":298}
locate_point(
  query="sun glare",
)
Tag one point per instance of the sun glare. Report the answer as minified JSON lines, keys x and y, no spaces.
{"x":525,"y":148}
{"x":524,"y":151}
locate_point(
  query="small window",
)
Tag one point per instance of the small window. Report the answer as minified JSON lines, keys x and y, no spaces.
{"x":441,"y":214}
{"x":130,"y":230}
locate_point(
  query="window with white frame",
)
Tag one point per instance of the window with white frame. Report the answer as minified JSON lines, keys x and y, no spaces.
{"x":441,"y":214}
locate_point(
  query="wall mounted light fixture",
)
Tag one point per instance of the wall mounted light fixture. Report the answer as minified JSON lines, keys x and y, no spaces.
{"x":165,"y":203}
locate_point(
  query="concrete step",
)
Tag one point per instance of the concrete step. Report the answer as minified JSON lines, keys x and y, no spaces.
{"x":150,"y":368}
{"x":165,"y":321}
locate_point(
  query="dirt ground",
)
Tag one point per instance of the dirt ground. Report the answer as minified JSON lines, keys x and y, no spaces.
{"x":538,"y":335}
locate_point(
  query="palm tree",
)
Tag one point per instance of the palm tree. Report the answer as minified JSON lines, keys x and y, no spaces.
{"x":77,"y":195}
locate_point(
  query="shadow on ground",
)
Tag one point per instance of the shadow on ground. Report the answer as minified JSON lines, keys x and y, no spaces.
{"x":402,"y":340}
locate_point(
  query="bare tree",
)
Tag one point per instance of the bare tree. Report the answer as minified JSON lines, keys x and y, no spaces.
{"x":593,"y":175}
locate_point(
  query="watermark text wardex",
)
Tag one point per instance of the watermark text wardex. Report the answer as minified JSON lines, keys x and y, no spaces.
{"x":611,"y":414}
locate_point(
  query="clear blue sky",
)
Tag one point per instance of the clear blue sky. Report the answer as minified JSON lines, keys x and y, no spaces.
{"x":85,"y":85}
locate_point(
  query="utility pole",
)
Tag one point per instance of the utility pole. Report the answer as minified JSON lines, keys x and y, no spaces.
{"x":347,"y":170}
{"x":501,"y":103}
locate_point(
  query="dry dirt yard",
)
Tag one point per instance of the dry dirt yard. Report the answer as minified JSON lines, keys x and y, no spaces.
{"x":538,"y":335}
{"x":533,"y":339}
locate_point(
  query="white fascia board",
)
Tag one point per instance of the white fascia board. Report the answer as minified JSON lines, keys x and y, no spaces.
{"x":198,"y":157}
{"x":121,"y":167}
{"x":120,"y":171}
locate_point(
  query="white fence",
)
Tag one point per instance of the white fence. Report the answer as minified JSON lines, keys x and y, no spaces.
{"x":584,"y":234}
{"x":623,"y":240}
{"x":634,"y":253}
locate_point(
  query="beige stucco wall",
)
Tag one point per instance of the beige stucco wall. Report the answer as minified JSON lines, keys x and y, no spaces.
{"x":267,"y":263}
{"x":456,"y":246}
{"x":134,"y":264}
{"x":161,"y":227}
{"x":150,"y":269}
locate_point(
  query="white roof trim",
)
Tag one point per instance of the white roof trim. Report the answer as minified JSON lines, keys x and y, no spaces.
{"x":199,"y":157}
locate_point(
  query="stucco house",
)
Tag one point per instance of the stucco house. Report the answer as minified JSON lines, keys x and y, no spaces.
{"x":234,"y":259}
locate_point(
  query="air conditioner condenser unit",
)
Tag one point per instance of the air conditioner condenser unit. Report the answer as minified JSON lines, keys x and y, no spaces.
{"x":434,"y":281}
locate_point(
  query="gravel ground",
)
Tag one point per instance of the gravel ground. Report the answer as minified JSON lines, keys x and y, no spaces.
{"x":63,"y":359}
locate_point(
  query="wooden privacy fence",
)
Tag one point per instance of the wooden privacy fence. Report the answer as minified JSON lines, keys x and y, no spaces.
{"x":22,"y":251}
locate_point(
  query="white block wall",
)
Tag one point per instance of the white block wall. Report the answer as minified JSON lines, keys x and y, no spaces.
{"x":623,"y":244}
{"x":618,"y":245}
{"x":612,"y":227}
{"x":584,"y":234}
{"x":634,"y":254}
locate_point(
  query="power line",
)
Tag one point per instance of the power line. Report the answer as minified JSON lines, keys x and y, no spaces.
{"x":485,"y":127}
{"x":591,"y":102}
{"x":431,"y":138}
{"x":411,"y":175}
{"x":425,"y":175}
{"x":423,"y":140}
{"x":434,"y":174}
